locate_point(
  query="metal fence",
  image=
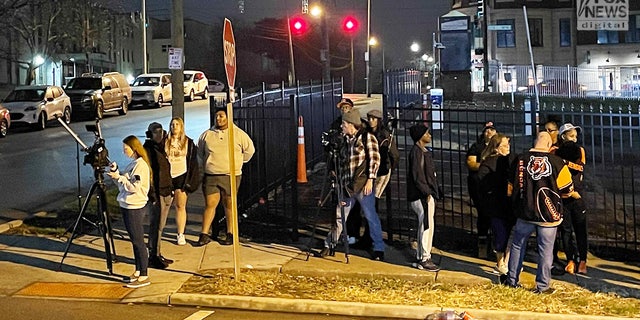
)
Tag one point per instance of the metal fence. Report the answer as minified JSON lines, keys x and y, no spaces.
{"x":271,"y":118}
{"x":567,"y":81}
{"x":610,"y":136}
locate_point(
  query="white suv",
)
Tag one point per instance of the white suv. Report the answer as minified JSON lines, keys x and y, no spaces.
{"x":151,"y":89}
{"x":37,"y":105}
{"x":195,"y":84}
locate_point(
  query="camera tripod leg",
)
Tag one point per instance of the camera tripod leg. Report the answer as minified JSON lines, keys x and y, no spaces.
{"x":105,"y":230}
{"x":343,"y":235}
{"x":83,"y":209}
{"x":321,"y":204}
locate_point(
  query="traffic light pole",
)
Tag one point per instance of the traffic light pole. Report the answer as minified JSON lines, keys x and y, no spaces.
{"x":291,"y":61}
{"x":368,"y":55}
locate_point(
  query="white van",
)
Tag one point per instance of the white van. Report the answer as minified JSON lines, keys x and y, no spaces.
{"x":151,"y":89}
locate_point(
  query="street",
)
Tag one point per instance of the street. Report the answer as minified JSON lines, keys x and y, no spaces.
{"x":25,"y":309}
{"x":40,"y":167}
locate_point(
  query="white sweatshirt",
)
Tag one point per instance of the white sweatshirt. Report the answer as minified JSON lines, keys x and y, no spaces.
{"x":133,"y":185}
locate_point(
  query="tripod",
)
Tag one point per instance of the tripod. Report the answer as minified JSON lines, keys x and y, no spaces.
{"x":325,"y":194}
{"x":103,"y":224}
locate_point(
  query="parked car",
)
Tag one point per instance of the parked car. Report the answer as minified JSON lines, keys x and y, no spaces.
{"x":5,"y":121}
{"x":151,"y":89}
{"x":195,"y":84}
{"x":95,"y":94}
{"x":216,"y":86}
{"x":37,"y":105}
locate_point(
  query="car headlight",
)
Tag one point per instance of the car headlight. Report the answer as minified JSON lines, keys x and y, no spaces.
{"x":87,"y":99}
{"x":149,"y":94}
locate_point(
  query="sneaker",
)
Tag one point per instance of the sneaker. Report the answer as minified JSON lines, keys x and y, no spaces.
{"x":203,"y":240}
{"x":132,"y":278}
{"x":228,"y":240}
{"x":378,"y":255}
{"x":500,"y":269}
{"x":165,"y":260}
{"x":157,"y":263}
{"x":328,"y":251}
{"x":139,"y":283}
{"x":548,"y":291}
{"x":427,"y":265}
{"x":352,"y":240}
{"x":181,"y":240}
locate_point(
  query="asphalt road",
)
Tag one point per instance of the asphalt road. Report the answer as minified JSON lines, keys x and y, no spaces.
{"x":37,"y":168}
{"x":30,"y":309}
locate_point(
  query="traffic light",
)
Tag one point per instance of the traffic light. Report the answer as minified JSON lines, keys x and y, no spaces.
{"x":480,"y":8}
{"x":350,"y":24}
{"x":298,"y":25}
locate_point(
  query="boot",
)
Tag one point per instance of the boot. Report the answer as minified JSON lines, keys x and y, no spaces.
{"x":571,"y":267}
{"x":582,"y":267}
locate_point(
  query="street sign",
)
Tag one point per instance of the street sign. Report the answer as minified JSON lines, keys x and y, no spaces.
{"x":175,"y":58}
{"x":499,"y":27}
{"x":229,"y":52}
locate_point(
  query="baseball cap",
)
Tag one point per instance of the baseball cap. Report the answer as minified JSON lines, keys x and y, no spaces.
{"x":375,"y":113}
{"x":345,"y":101}
{"x":488,"y":125}
{"x":568,"y":126}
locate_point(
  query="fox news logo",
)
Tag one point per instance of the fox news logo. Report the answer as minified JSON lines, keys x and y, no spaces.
{"x":610,"y":15}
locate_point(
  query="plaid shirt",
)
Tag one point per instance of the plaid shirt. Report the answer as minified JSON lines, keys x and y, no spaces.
{"x":354,"y":155}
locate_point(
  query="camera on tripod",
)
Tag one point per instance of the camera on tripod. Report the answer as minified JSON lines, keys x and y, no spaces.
{"x":97,"y":155}
{"x":332,"y":140}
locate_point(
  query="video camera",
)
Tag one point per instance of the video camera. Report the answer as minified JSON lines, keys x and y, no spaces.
{"x":97,"y":154}
{"x":332,"y":140}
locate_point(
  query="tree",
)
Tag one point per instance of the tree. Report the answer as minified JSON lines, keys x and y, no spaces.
{"x":27,"y":26}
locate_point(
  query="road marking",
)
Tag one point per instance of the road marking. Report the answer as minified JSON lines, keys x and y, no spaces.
{"x":199,"y":315}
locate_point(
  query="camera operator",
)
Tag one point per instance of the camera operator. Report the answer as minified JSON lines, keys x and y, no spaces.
{"x":161,"y":194}
{"x":133,"y":186}
{"x":358,"y":162}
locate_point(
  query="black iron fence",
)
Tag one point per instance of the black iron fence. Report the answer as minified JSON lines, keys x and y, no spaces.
{"x":610,"y":137}
{"x":271,"y":118}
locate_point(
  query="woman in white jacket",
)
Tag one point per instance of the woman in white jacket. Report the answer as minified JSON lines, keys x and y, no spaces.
{"x":133,"y":185}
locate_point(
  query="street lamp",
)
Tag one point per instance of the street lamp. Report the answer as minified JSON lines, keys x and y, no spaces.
{"x":74,"y":66}
{"x":317,"y":11}
{"x":374,"y":42}
{"x":368,"y":54}
{"x":415,"y":47}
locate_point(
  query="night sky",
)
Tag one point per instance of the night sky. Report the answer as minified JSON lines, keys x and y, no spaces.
{"x":396,"y":23}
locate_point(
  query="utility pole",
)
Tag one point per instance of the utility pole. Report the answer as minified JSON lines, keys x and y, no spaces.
{"x":326,"y":56}
{"x":368,"y":54}
{"x":177,"y":75}
{"x":145,"y":63}
{"x":485,"y":49}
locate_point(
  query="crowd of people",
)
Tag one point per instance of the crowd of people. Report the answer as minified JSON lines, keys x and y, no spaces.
{"x":515,"y":195}
{"x":162,"y":173}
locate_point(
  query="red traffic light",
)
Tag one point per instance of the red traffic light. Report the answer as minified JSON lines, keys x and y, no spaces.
{"x":298,"y":25}
{"x":350,"y":24}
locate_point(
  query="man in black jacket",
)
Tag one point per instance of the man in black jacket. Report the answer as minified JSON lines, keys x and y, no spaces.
{"x":422,"y":189}
{"x":160,"y":194}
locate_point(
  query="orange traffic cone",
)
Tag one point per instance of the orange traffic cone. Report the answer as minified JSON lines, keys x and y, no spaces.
{"x":302,"y":162}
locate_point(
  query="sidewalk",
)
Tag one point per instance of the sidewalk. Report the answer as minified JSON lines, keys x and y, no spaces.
{"x":34,"y":265}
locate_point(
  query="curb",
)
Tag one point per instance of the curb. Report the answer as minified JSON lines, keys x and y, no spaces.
{"x":355,"y":309}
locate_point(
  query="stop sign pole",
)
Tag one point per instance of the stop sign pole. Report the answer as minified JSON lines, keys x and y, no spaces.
{"x":229,"y":53}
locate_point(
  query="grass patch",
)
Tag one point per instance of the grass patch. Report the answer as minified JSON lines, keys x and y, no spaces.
{"x":567,"y":298}
{"x":57,"y":221}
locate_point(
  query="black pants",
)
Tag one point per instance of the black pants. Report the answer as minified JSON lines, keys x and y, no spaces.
{"x":483,"y":223}
{"x":574,"y":221}
{"x":133,"y":222}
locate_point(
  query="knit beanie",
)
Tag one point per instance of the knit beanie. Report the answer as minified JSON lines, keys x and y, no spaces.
{"x":352,"y":116}
{"x":417,"y":131}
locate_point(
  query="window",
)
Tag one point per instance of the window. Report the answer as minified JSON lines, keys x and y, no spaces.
{"x":565,"y":32}
{"x":506,"y":39}
{"x":605,"y":37}
{"x":633,"y":35}
{"x":165,"y":47}
{"x":535,"y":27}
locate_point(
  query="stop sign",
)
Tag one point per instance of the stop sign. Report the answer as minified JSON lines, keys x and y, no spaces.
{"x":229,"y":51}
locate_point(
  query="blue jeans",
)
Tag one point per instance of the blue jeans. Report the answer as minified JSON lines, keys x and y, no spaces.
{"x":368,"y":205}
{"x":134,"y":223}
{"x":545,"y":237}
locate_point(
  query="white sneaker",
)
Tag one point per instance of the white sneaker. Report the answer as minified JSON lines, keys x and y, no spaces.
{"x":138,"y":283}
{"x":181,"y":239}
